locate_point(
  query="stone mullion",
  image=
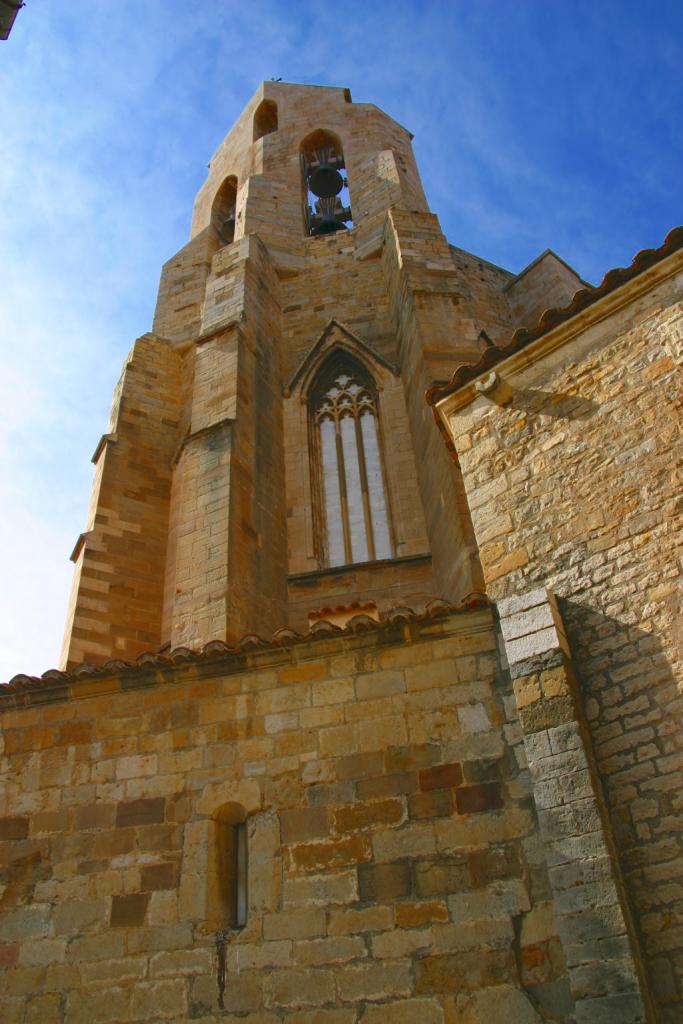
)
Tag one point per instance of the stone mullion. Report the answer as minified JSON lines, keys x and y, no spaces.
{"x":343,"y":497}
{"x":365,"y":489}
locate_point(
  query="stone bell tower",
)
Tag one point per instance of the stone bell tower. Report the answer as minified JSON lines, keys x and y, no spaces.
{"x":221,"y":506}
{"x":381,"y":806}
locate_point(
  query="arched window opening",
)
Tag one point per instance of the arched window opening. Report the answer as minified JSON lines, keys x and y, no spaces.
{"x":265,"y":119}
{"x":326,"y":190}
{"x":353,"y":517}
{"x":228,"y":895}
{"x":223,"y":210}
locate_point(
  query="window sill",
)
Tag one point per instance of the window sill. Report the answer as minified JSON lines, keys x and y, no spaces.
{"x":339,"y":570}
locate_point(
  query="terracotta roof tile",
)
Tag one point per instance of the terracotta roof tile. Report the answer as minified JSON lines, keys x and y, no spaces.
{"x":218,"y":650}
{"x":551,"y":318}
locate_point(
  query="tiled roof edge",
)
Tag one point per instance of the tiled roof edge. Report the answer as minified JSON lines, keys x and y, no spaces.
{"x":551,"y":318}
{"x":217,"y":650}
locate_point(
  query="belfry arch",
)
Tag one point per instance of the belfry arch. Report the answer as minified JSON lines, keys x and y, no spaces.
{"x":325,"y":187}
{"x":223,"y":210}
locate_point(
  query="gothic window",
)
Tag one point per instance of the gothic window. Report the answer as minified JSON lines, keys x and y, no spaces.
{"x":353,"y":520}
{"x":326,"y":190}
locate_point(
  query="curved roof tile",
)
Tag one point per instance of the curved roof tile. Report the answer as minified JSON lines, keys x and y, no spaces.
{"x":551,"y":318}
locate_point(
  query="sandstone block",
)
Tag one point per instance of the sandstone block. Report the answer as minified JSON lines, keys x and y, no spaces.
{"x":296,"y":924}
{"x":340,"y":1016}
{"x":128,"y":909}
{"x":438,"y":803}
{"x":368,"y":815}
{"x":164,"y":1000}
{"x":243,"y":993}
{"x":504,"y":1004}
{"x":45,"y":1009}
{"x":159,"y":876}
{"x":321,"y":890}
{"x":441,"y":776}
{"x":485,"y":796}
{"x":374,"y":981}
{"x":25,"y":923}
{"x":140,"y":812}
{"x":311,"y":952}
{"x":296,"y":988}
{"x":384,"y":882}
{"x":13,"y":828}
{"x":411,"y":840}
{"x":330,"y":856}
{"x":408,"y":1011}
{"x":393,"y":784}
{"x":469,"y":970}
{"x":367,"y":919}
{"x":129,"y":968}
{"x":299,"y":825}
{"x":180,"y":962}
{"x":99,"y":1006}
{"x":445,"y":875}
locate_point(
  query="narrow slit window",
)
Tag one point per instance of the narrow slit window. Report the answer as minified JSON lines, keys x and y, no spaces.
{"x":228,"y":894}
{"x":354,"y":520}
{"x":240,"y":872}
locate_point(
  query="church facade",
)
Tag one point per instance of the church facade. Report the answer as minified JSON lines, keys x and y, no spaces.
{"x":369,"y":706}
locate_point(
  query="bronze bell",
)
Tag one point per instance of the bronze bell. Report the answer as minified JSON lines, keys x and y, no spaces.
{"x":325,"y":181}
{"x":329,"y":216}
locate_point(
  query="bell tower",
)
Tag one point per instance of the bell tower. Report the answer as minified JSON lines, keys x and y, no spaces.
{"x":269,"y":451}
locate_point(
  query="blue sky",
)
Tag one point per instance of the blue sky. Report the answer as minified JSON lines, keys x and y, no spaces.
{"x":538,"y":123}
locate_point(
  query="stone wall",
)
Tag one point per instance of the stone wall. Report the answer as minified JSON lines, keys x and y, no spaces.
{"x":575,"y":484}
{"x":395,"y":866}
{"x":117,"y":597}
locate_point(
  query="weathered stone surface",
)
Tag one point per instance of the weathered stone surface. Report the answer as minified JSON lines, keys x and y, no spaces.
{"x":423,"y":841}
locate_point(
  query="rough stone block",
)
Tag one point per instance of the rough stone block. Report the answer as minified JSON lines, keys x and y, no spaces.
{"x":373,"y":814}
{"x":408,"y":1011}
{"x":296,"y":988}
{"x":159,"y":876}
{"x":128,"y":910}
{"x":441,"y":776}
{"x":374,"y":981}
{"x":438,"y":803}
{"x":468,"y":970}
{"x":510,"y":606}
{"x":445,"y":875}
{"x":14,"y":828}
{"x":484,"y":796}
{"x":145,"y":811}
{"x":330,"y":856}
{"x":383,"y":883}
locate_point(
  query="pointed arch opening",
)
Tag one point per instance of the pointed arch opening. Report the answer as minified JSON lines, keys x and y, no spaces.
{"x":223,"y":210}
{"x":265,"y":119}
{"x":325,"y":187}
{"x":352,"y":518}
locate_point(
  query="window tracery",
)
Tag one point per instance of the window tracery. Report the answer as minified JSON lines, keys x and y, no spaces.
{"x":353,"y":509}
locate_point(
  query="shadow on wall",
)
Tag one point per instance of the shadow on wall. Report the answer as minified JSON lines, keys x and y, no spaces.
{"x":635,"y":715}
{"x":553,"y":403}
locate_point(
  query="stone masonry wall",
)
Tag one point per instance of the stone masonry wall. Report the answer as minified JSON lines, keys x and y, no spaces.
{"x":395,"y":868}
{"x":575,"y":484}
{"x":117,"y":600}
